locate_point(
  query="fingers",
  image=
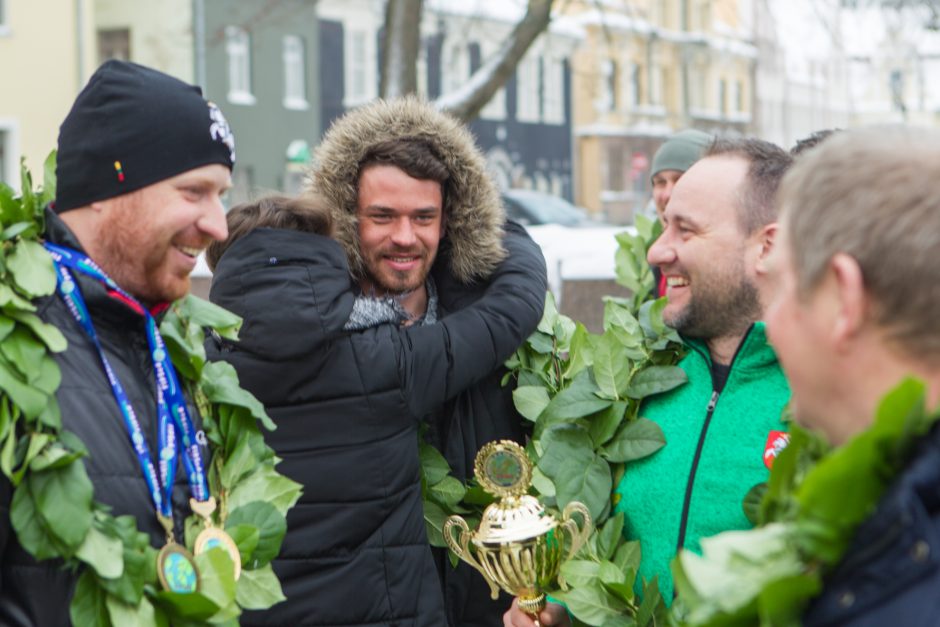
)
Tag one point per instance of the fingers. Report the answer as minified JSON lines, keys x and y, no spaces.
{"x":553,"y":615}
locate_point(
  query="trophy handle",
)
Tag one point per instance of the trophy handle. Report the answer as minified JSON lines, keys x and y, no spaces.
{"x":461,"y":548}
{"x":579,"y":535}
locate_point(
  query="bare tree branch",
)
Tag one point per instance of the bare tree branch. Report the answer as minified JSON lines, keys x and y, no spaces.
{"x":465,"y":103}
{"x":400,"y":48}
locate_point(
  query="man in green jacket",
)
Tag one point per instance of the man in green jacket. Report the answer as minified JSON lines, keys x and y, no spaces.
{"x":723,"y":427}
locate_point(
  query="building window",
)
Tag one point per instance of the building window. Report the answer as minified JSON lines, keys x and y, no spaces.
{"x":5,"y":176}
{"x":113,"y":43}
{"x":495,"y":109}
{"x":739,"y":96}
{"x":4,"y":27}
{"x":553,"y":91}
{"x":238,"y":49}
{"x":9,"y":153}
{"x":455,"y":67}
{"x":360,"y":67}
{"x":528,"y":97}
{"x":295,"y":82}
{"x":722,"y":97}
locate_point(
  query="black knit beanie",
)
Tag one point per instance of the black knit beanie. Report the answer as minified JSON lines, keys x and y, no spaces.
{"x":131,"y":127}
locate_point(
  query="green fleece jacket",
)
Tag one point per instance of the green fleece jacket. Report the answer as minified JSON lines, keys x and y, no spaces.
{"x":694,"y":486}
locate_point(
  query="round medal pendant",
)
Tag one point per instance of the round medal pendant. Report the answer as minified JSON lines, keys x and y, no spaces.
{"x":177,"y":570}
{"x":212,"y":537}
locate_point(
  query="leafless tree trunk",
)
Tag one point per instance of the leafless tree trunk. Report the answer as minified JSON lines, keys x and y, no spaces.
{"x":400,"y":48}
{"x":400,"y":55}
{"x":465,"y":103}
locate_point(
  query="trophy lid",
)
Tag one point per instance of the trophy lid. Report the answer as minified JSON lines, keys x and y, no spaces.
{"x":504,"y":470}
{"x":516,"y":519}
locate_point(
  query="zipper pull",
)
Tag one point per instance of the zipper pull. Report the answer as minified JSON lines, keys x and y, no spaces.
{"x":713,"y":401}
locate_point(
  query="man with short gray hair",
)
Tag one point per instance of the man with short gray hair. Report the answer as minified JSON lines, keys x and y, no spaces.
{"x":853,"y":315}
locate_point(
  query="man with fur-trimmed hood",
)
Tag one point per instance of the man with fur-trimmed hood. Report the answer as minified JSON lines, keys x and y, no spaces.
{"x":352,"y":346}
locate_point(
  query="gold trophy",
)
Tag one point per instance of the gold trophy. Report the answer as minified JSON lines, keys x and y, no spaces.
{"x":518,"y":546}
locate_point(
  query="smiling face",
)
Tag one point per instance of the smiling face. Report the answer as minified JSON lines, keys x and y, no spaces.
{"x":400,"y":227}
{"x":148,"y":240}
{"x":703,"y":253}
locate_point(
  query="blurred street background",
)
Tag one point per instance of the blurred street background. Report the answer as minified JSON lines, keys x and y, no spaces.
{"x":568,"y":99}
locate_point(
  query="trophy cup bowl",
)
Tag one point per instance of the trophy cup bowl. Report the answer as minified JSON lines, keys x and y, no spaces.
{"x":519,"y":546}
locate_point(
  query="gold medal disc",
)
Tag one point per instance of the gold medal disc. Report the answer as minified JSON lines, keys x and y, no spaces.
{"x":177,"y":570}
{"x":212,"y":537}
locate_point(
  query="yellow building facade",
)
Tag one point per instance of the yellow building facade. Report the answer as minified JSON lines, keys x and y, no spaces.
{"x":46,"y":56}
{"x":646,"y":69}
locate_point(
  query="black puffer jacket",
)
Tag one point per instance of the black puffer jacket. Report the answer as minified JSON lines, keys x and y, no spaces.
{"x":38,"y":593}
{"x":348,"y":407}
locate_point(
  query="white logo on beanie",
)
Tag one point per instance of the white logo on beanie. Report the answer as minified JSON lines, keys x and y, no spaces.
{"x":220,"y":129}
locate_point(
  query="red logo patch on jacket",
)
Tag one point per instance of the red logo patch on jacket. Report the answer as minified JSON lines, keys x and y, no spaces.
{"x":776,"y":442}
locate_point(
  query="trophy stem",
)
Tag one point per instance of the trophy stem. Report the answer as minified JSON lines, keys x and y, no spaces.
{"x":532,"y":605}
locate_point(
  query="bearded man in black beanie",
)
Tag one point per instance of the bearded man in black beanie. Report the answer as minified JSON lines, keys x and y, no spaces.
{"x":143,"y":161}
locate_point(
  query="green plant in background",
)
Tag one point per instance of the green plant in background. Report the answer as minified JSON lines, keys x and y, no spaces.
{"x":53,"y":510}
{"x":582,"y":392}
{"x":814,"y":501}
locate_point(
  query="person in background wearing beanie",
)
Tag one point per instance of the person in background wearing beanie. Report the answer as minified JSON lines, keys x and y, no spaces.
{"x":722,"y":427}
{"x":674,"y":157}
{"x":142,"y":163}
{"x":404,"y":319}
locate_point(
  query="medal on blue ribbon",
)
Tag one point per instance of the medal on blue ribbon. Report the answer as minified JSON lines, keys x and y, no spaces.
{"x":176,"y":567}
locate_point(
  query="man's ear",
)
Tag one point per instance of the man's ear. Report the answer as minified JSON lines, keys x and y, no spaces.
{"x":764,"y":241}
{"x":851,"y":299}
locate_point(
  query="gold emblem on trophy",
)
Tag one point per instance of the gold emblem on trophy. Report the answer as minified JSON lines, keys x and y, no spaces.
{"x":518,"y":546}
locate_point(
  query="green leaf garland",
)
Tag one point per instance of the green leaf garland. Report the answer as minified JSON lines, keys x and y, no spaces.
{"x":583,"y":392}
{"x":53,"y":510}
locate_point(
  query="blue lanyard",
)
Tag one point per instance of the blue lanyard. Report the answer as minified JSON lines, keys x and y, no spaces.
{"x":172,"y":412}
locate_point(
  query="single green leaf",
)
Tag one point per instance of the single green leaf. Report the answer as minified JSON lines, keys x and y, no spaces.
{"x":530,"y":401}
{"x":30,"y":529}
{"x":592,"y":604}
{"x":202,"y":313}
{"x":434,"y":517}
{"x":258,"y":589}
{"x":265,"y":484}
{"x":589,"y":483}
{"x":6,"y":326}
{"x":89,"y":603}
{"x":655,"y":380}
{"x":611,"y":366}
{"x":127,"y":615}
{"x":216,"y":576}
{"x":434,"y":468}
{"x":635,"y":440}
{"x":604,"y":424}
{"x":627,"y":556}
{"x":561,"y":443}
{"x":239,"y":463}
{"x":246,"y":539}
{"x":541,"y":343}
{"x":577,"y":400}
{"x":609,"y":537}
{"x":271,"y":528}
{"x":26,"y":397}
{"x":63,"y":499}
{"x":104,"y":553}
{"x":580,"y":352}
{"x":32,"y":270}
{"x":447,"y":492}
{"x":549,"y":315}
{"x":23,"y":352}
{"x":49,"y":178}
{"x":49,"y":334}
{"x":580,"y":573}
{"x":220,"y":384}
{"x":752,"y":502}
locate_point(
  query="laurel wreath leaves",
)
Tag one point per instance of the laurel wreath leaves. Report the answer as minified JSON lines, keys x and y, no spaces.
{"x":582,"y":393}
{"x":53,"y":510}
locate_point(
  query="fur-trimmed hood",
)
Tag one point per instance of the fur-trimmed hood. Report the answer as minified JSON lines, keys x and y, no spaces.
{"x":473,"y":208}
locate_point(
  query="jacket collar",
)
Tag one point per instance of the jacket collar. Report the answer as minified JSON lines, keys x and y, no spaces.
{"x":753,"y":353}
